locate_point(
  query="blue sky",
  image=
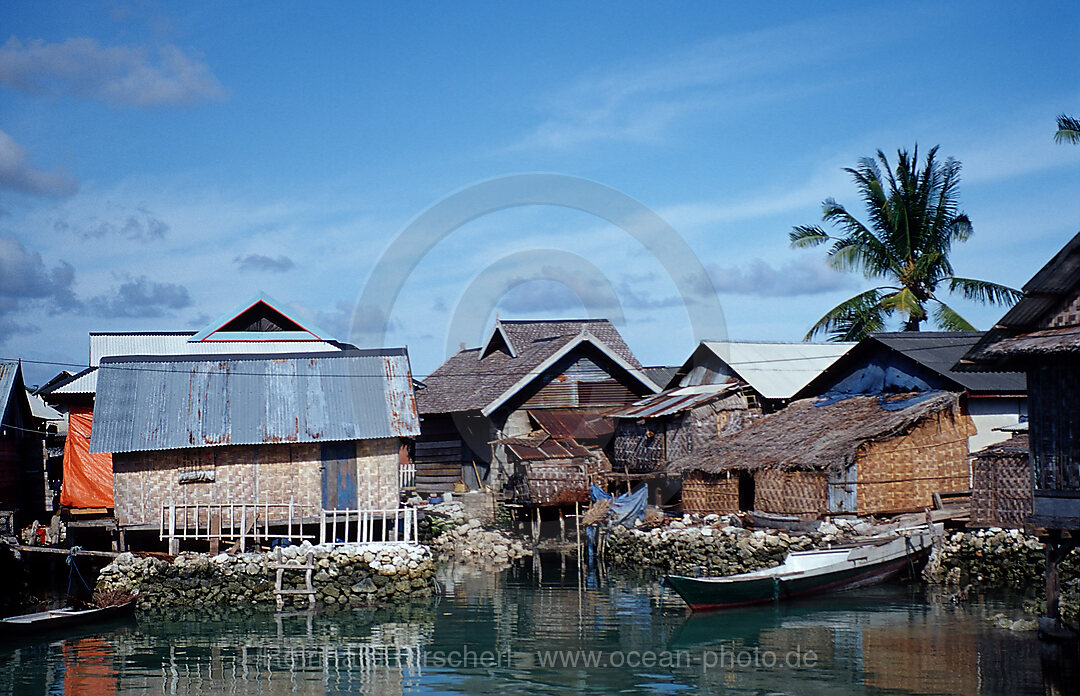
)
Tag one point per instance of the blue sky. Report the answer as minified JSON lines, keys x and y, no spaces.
{"x":161,"y":163}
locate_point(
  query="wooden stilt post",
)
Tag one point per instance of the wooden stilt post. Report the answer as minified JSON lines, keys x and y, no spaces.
{"x":536,"y":526}
{"x":562,"y":525}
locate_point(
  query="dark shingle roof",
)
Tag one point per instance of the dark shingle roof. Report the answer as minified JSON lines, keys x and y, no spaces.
{"x":941,"y":350}
{"x":936,"y":351}
{"x":466,"y":383}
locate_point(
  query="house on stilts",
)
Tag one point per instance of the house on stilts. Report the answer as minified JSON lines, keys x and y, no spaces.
{"x":1040,"y":336}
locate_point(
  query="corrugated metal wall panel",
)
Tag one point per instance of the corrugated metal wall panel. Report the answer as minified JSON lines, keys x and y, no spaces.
{"x":163,"y":403}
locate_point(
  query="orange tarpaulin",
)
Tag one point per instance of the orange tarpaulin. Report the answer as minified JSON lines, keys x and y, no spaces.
{"x":88,"y":479}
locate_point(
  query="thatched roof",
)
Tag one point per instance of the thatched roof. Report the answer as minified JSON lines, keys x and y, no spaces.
{"x":807,"y":436}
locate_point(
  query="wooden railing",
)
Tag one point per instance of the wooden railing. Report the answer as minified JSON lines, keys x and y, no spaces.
{"x":368,"y":526}
{"x":236,"y":522}
{"x":261,"y":522}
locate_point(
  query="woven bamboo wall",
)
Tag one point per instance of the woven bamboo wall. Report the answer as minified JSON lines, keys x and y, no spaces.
{"x":709,"y":493}
{"x":791,"y":492}
{"x":903,"y":473}
{"x":145,"y":481}
{"x":1001,"y":492}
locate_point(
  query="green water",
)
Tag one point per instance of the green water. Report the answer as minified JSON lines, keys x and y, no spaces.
{"x":519,"y":631}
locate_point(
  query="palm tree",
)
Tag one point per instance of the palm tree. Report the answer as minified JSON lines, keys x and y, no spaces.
{"x":913,"y":222}
{"x":1068,"y":130}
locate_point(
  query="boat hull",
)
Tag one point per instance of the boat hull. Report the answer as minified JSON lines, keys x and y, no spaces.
{"x":704,"y":594}
{"x":62,"y":619}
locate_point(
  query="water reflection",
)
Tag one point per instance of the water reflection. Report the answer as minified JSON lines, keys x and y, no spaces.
{"x":530,"y":629}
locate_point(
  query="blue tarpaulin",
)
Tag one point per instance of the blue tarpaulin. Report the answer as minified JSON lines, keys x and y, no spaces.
{"x":624,"y":509}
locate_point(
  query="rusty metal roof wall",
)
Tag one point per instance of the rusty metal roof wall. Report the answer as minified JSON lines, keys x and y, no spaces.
{"x":674,"y":401}
{"x":176,"y":402}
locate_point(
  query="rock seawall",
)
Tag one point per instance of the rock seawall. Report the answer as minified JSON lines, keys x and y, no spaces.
{"x":705,"y":550}
{"x":1004,"y":559}
{"x":345,"y":575}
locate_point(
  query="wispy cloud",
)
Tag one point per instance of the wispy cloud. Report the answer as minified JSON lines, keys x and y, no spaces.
{"x":117,"y":75}
{"x":140,"y":297}
{"x":259,"y":262}
{"x":802,"y":276}
{"x":27,"y":283}
{"x":18,"y":174}
{"x":139,"y":225}
{"x":642,"y":102}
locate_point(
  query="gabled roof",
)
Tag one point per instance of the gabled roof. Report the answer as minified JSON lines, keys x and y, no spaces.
{"x":13,"y":392}
{"x":261,"y":318}
{"x":105,"y":344}
{"x":175,"y":402}
{"x":468,"y":382}
{"x":937,"y":352}
{"x":1026,"y":329}
{"x":806,"y":435}
{"x":774,"y":370}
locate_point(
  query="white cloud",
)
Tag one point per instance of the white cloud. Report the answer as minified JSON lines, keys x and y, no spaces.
{"x":17,"y":174}
{"x":116,"y":75}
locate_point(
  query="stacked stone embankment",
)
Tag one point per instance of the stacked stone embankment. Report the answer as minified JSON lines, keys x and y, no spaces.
{"x":1005,"y":559}
{"x":454,"y":538}
{"x":707,"y":546}
{"x":344,"y":575}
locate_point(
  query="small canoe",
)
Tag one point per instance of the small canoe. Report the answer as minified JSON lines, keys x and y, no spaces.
{"x":62,"y":619}
{"x":809,"y":572}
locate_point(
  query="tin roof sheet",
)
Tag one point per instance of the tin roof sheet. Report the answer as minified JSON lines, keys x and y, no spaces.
{"x":778,"y":370}
{"x":160,"y":403}
{"x":674,"y":401}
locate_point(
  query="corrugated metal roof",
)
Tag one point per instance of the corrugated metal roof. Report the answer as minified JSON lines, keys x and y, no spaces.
{"x":674,"y":401}
{"x":178,"y":343}
{"x":8,"y":371}
{"x":777,"y":370}
{"x":160,"y":403}
{"x":565,"y":423}
{"x":84,"y":382}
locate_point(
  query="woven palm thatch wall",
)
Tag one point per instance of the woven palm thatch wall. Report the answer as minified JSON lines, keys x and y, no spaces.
{"x":708,"y":493}
{"x":791,"y":492}
{"x":1001,"y":492}
{"x":901,"y":449}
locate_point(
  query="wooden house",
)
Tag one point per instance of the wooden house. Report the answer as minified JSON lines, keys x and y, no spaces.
{"x":22,"y":453}
{"x":258,"y":325}
{"x":913,"y":361}
{"x":479,"y":397}
{"x":1040,"y":336}
{"x":298,"y":433}
{"x":772,"y":373}
{"x":672,"y":425}
{"x":860,"y":454}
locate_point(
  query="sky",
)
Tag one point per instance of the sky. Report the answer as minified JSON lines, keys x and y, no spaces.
{"x":403,"y":173}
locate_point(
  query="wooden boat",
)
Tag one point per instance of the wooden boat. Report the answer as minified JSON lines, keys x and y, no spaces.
{"x":63,"y":619}
{"x":810,"y":572}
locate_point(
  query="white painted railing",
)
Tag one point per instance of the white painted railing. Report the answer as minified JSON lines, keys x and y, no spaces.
{"x":233,"y":522}
{"x":368,"y":526}
{"x":407,"y":476}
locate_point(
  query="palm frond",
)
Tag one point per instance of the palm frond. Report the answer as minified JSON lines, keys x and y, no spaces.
{"x":905,"y":301}
{"x":1068,"y":130}
{"x":984,"y":291}
{"x":852,"y":319}
{"x":947,"y":319}
{"x":807,"y":236}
